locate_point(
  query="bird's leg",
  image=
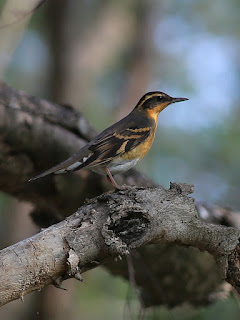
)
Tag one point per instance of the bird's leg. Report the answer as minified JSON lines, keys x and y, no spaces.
{"x":112,"y":180}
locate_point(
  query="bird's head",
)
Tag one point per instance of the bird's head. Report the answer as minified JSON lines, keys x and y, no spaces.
{"x":154,"y":102}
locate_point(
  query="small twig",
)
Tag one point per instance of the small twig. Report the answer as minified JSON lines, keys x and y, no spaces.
{"x":126,"y":307}
{"x":132,"y":280}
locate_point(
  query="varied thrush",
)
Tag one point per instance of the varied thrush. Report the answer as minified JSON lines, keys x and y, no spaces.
{"x":119,"y":147}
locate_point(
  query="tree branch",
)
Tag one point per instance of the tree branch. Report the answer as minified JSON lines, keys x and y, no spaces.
{"x":109,"y":226}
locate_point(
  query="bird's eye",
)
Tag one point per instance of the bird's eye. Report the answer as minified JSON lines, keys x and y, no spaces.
{"x":159,"y":98}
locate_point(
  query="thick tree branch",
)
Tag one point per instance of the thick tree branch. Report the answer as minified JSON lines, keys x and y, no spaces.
{"x":109,"y":226}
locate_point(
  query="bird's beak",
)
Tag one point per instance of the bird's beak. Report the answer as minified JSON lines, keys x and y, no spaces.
{"x":178,"y":100}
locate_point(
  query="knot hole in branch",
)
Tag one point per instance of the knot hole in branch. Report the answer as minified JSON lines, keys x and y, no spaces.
{"x":126,"y":225}
{"x":130,"y":225}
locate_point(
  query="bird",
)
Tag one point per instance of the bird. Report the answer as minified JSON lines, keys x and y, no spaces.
{"x":119,"y":147}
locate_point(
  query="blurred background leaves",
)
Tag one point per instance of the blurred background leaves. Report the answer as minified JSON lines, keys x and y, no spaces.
{"x":101,"y":56}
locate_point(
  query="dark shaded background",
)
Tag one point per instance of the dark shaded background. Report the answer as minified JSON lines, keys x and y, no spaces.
{"x":101,"y":57}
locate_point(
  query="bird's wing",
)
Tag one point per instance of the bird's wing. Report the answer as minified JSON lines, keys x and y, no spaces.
{"x":108,"y":145}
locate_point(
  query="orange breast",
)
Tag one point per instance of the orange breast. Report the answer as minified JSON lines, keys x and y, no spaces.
{"x":141,"y":150}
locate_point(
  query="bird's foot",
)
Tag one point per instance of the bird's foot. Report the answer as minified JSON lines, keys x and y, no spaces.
{"x":122,"y":188}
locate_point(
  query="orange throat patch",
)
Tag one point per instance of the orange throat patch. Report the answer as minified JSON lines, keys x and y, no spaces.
{"x":153,"y":114}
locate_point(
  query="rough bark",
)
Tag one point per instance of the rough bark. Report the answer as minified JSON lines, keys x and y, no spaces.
{"x":174,"y":274}
{"x":109,"y":226}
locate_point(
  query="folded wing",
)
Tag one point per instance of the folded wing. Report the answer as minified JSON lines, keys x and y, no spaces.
{"x":104,"y":148}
